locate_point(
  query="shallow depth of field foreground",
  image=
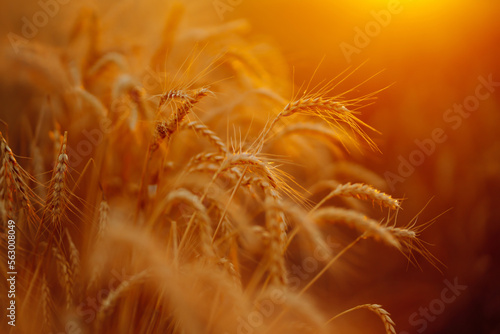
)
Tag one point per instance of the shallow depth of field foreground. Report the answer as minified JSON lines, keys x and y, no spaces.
{"x":217,"y":166}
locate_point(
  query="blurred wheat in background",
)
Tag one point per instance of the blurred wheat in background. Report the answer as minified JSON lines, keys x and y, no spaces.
{"x":166,"y":171}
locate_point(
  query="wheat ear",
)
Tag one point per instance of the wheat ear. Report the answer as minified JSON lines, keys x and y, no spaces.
{"x":329,"y":109}
{"x":378,"y":310}
{"x":408,"y":236}
{"x":65,"y":276}
{"x":12,"y":178}
{"x":57,"y":198}
{"x":46,"y":305}
{"x":212,"y":137}
{"x":362,"y":191}
{"x":276,"y":227}
{"x":190,"y":95}
{"x":110,"y":301}
{"x":165,"y":130}
{"x":74,"y":258}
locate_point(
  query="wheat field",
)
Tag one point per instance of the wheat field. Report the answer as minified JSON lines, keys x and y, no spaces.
{"x":164,"y":170}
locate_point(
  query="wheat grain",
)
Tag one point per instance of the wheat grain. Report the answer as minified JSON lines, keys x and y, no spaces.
{"x":203,"y":130}
{"x":187,"y":96}
{"x":200,"y":158}
{"x":384,"y":316}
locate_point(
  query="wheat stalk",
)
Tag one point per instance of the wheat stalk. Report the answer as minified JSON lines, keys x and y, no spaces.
{"x":367,"y":226}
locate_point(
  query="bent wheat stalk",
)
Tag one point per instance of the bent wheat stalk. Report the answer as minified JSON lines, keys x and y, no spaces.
{"x":362,"y":191}
{"x":378,"y":310}
{"x":369,"y":227}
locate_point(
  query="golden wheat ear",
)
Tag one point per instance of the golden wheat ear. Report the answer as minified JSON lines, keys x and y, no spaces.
{"x":58,"y":194}
{"x":14,"y":186}
{"x":409,"y":237}
{"x":361,"y":191}
{"x":378,"y":310}
{"x":204,"y":131}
